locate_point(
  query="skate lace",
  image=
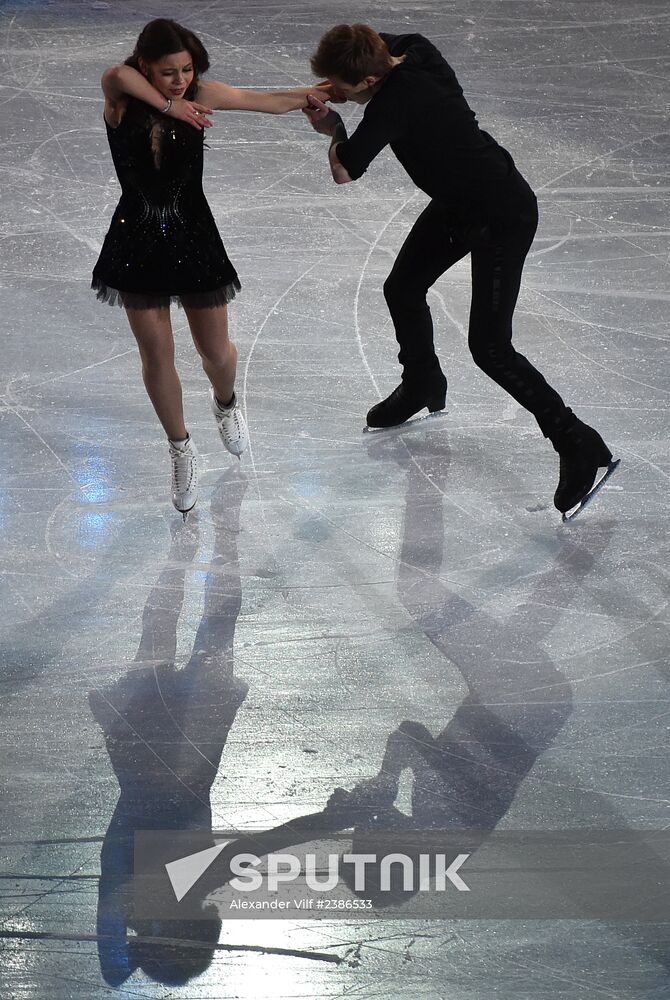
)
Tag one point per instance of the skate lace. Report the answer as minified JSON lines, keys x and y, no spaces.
{"x":183,"y":470}
{"x":230,"y":423}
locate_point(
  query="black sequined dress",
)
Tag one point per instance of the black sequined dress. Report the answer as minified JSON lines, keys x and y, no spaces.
{"x":163,"y":245}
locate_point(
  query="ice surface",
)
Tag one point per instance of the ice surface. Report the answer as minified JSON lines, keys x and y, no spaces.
{"x":336,"y":583}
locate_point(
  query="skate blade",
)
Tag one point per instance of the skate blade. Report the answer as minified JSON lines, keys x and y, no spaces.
{"x":585,"y":501}
{"x":411,"y":424}
{"x":185,"y":513}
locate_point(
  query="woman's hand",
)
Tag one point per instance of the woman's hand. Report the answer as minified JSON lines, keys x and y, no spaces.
{"x":335,"y":96}
{"x":321,"y":118}
{"x":322,"y":92}
{"x":190,"y":112}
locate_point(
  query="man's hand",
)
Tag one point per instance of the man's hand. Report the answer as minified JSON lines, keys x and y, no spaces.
{"x":190,"y":112}
{"x":321,"y":118}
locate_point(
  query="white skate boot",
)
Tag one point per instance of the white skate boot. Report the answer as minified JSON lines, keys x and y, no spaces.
{"x":184,"y":459}
{"x":232,"y":425}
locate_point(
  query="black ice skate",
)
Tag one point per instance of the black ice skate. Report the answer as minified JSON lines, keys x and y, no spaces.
{"x":406,"y":400}
{"x":583,"y":454}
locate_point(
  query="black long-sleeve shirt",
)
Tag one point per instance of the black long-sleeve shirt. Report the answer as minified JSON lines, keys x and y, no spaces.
{"x":420,"y":111}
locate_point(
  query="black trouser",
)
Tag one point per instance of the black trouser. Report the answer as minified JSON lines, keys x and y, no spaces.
{"x":498,"y":253}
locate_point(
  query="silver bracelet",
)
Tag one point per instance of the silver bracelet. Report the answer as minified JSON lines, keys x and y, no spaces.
{"x":167,"y":107}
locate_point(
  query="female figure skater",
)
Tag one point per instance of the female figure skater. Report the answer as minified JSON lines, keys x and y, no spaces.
{"x":163,"y":245}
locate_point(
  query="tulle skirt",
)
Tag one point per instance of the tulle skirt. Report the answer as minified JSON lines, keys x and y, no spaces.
{"x":156,"y":300}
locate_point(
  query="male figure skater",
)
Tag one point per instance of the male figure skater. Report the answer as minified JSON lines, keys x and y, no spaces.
{"x":480,"y":205}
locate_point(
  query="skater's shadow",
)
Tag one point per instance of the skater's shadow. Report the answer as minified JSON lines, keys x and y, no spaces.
{"x":165,"y":730}
{"x":466,"y":776}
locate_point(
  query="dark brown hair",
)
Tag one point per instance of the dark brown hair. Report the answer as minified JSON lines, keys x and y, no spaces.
{"x":164,"y":37}
{"x":351,"y":52}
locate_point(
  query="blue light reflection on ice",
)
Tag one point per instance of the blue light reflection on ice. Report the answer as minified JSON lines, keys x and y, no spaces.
{"x":93,"y":477}
{"x":308,"y":484}
{"x":94,"y":528}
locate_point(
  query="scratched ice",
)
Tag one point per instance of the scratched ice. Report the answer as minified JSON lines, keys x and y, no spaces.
{"x":239,"y":670}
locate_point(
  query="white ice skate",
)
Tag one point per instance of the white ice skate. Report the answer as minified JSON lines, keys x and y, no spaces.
{"x":184,"y":459}
{"x":232,"y":425}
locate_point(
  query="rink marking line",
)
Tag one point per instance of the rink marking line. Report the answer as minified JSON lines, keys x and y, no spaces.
{"x":587,"y":986}
{"x":55,"y":137}
{"x":314,"y":152}
{"x":22,"y":89}
{"x":78,"y":371}
{"x":592,"y":362}
{"x":67,"y":499}
{"x":642,"y":189}
{"x":629,"y":74}
{"x":601,"y":158}
{"x":452,"y":319}
{"x":615,"y":258}
{"x":77,"y":235}
{"x":372,"y":247}
{"x":615,"y":236}
{"x":602,"y":326}
{"x":648,"y":110}
{"x":612,"y":293}
{"x":347,"y":229}
{"x":247,"y":365}
{"x":38,"y":897}
{"x":509,"y":25}
{"x":591,"y":62}
{"x":648,"y":461}
{"x":51,"y":548}
{"x":73,"y":96}
{"x":25,"y":935}
{"x":242,"y":50}
{"x":37,"y":434}
{"x":553,"y":246}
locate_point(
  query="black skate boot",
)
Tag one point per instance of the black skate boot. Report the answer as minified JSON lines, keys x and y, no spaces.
{"x":407,"y":399}
{"x":583,"y":453}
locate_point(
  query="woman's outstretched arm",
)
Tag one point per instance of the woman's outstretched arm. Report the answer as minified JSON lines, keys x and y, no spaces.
{"x":222,"y":97}
{"x":121,"y":82}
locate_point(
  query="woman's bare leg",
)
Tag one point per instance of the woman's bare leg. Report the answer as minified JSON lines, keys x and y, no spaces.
{"x":153,"y":332}
{"x":209,"y":329}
